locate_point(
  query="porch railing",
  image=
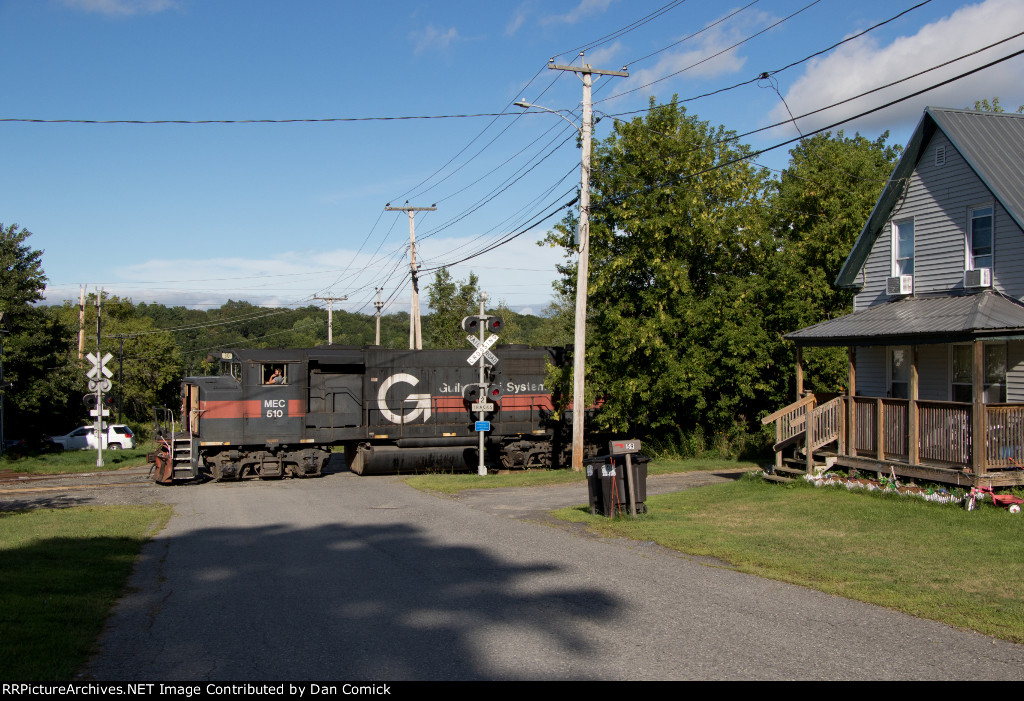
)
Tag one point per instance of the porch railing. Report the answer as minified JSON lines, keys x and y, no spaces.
{"x":883,"y":427}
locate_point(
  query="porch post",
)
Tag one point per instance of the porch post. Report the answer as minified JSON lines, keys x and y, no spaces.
{"x":809,"y":436}
{"x":912,"y":430}
{"x":851,"y":407}
{"x":978,"y":442}
{"x":879,"y":429}
{"x":799,"y":373}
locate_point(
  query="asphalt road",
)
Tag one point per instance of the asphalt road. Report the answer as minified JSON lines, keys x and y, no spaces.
{"x":363,"y":578}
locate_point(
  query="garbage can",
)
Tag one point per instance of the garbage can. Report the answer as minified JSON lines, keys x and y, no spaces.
{"x":608,"y":486}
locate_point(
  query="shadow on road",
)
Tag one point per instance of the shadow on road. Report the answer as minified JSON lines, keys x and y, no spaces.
{"x":362,"y":602}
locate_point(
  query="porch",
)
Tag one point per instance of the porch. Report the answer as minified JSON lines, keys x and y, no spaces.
{"x":924,"y":440}
{"x":938,"y":396}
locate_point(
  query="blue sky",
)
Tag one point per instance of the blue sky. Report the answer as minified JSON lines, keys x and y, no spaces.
{"x":275,"y":213}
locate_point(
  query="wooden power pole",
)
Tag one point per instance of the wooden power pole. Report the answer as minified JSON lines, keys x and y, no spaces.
{"x":415,"y":331}
{"x":586,"y":73}
{"x":330,"y":315}
{"x":379,"y":305}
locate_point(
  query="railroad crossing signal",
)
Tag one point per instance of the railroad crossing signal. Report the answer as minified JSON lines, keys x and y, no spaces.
{"x":482,"y":349}
{"x":99,"y":366}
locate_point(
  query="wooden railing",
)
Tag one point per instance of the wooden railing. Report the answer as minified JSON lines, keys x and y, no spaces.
{"x":829,"y":422}
{"x":945,"y":431}
{"x":790,"y":421}
{"x":1004,"y":427}
{"x":804,"y":421}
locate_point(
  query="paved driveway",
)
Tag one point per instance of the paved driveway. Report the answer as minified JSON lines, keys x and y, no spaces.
{"x":367,"y":579}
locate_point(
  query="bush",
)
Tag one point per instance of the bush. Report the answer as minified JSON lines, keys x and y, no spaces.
{"x":733,"y":444}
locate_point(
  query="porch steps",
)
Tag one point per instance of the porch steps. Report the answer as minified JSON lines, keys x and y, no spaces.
{"x":796,"y":468}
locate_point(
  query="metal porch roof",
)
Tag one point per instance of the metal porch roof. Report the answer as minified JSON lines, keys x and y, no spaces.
{"x":920,"y":320}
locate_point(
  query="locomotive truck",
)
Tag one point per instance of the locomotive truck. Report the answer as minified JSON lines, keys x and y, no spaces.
{"x":272,"y":413}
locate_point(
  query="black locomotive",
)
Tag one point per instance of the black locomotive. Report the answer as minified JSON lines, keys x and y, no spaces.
{"x":276,"y":412}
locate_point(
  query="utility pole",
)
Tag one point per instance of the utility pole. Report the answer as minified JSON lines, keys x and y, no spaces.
{"x":4,"y":386}
{"x":415,"y":332}
{"x":586,"y":73}
{"x":379,"y":306}
{"x":100,"y":426}
{"x":81,"y":322}
{"x":120,"y":374}
{"x":330,"y":315}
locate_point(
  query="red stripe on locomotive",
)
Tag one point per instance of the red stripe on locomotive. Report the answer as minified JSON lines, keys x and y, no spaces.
{"x":245,"y":409}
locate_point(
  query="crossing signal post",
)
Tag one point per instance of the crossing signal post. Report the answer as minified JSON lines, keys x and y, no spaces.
{"x":482,"y":396}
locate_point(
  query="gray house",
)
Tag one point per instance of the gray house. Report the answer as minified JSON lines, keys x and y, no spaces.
{"x":936,"y":339}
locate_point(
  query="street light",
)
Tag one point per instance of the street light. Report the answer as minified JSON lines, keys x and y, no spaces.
{"x":582,"y":273}
{"x":527,"y":105}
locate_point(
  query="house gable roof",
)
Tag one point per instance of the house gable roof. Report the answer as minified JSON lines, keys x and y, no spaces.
{"x":991,"y":143}
{"x":923,"y":319}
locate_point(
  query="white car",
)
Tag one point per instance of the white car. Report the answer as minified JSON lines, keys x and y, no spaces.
{"x":118,"y":436}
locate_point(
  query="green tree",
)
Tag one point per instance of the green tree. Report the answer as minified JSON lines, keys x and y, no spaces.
{"x":817,"y":209}
{"x":147,"y":363}
{"x":449,"y":300}
{"x":673,"y":339}
{"x":36,"y":345}
{"x":984,"y":105}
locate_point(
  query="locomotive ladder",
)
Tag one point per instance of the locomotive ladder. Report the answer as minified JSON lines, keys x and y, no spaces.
{"x":182,"y":445}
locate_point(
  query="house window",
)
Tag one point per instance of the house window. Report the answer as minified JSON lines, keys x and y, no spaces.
{"x":899,"y":372}
{"x":979,"y":238}
{"x":903,"y":247}
{"x":994,"y":387}
{"x":995,"y":373}
{"x":963,"y":369}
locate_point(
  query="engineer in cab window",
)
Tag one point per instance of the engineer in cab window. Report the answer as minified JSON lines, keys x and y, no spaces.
{"x":276,"y":377}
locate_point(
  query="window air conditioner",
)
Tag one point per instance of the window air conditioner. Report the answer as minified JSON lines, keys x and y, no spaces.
{"x":899,"y":285}
{"x":979,"y":277}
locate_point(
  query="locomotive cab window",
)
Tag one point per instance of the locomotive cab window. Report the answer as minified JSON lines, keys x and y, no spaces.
{"x":275,"y":374}
{"x":231,"y":369}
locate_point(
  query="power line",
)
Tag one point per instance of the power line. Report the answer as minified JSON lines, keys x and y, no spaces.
{"x":754,"y":154}
{"x":714,"y":55}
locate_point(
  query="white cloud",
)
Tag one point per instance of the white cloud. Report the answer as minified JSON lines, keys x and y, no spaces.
{"x":863,"y":64}
{"x":584,"y":9}
{"x":122,"y":7}
{"x":434,"y":39}
{"x":695,"y":63}
{"x":519,"y":272}
{"x":522,"y":12}
{"x":600,"y":57}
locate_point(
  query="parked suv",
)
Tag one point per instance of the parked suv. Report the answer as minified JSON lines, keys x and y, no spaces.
{"x":117,"y":436}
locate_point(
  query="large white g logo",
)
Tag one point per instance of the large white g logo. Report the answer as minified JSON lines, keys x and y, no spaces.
{"x":422,"y":400}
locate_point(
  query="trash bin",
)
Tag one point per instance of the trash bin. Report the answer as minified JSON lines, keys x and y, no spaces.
{"x":608,"y":488}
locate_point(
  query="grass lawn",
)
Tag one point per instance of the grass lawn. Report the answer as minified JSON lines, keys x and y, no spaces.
{"x":72,"y":461}
{"x":929,"y":560}
{"x":453,"y":483}
{"x":61,"y":570}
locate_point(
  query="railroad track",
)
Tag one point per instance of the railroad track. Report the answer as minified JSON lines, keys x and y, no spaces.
{"x":15,"y":482}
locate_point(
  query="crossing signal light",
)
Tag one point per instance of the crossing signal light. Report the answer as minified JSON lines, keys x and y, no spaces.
{"x":89,"y":400}
{"x":471,"y":324}
{"x":471,"y":393}
{"x":494,"y":393}
{"x":495,"y":324}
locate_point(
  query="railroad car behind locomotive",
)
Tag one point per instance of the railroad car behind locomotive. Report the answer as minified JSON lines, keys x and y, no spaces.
{"x":277,"y":412}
